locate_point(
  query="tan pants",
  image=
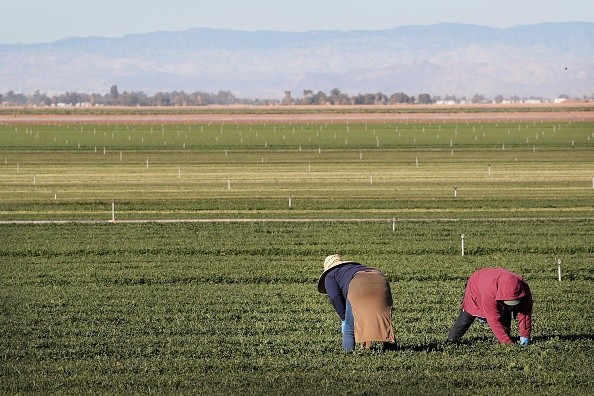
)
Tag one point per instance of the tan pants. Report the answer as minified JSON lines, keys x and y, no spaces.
{"x":371,"y":300}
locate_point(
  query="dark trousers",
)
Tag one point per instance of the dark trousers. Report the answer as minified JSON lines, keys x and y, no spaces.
{"x":464,"y":320}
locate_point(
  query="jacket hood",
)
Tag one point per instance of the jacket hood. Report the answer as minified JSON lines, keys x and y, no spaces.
{"x":509,"y":288}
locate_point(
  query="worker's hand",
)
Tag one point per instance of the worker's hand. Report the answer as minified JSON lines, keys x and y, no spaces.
{"x":342,"y":326}
{"x":524,"y":341}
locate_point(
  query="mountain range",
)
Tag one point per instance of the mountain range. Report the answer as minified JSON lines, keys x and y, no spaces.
{"x":544,"y":60}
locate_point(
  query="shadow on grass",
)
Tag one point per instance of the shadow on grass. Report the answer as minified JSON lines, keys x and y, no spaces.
{"x":564,"y":337}
{"x":440,"y":346}
{"x":431,"y":347}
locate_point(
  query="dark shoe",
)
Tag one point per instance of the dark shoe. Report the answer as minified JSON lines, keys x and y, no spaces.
{"x":391,"y":347}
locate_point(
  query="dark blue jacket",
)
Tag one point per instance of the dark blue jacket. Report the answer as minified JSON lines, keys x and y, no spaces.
{"x":337,"y":285}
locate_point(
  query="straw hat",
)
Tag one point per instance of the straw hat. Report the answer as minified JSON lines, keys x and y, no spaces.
{"x":331,"y":262}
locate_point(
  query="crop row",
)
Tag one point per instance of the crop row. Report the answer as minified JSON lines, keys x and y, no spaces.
{"x":220,"y":304}
{"x":225,"y":307}
{"x":304,"y":136}
{"x":385,"y":184}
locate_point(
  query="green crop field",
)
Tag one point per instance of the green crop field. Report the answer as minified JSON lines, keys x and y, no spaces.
{"x":206,"y":282}
{"x":337,"y":170}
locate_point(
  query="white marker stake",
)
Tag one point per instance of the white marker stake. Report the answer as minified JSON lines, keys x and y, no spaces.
{"x":393,"y":224}
{"x":289,"y":202}
{"x":179,"y":172}
{"x":34,"y":181}
{"x":113,"y":220}
{"x":147,"y":163}
{"x":371,"y":179}
{"x":489,"y":170}
{"x":462,"y":236}
{"x":559,"y":268}
{"x":455,"y":191}
{"x":228,"y":184}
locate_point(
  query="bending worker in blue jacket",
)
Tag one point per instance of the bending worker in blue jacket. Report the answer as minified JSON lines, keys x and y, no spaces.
{"x":362,"y":299}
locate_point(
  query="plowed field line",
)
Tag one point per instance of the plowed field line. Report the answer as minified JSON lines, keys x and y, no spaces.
{"x":490,"y":219}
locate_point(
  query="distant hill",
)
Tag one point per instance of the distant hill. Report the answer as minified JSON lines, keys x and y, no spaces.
{"x":463,"y":60}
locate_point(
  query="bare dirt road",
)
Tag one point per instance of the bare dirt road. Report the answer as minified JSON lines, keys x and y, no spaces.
{"x":582,"y":112}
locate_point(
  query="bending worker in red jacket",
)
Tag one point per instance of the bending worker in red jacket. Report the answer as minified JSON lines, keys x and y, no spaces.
{"x":494,"y":295}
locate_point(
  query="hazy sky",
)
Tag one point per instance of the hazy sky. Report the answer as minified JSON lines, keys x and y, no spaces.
{"x":40,"y":21}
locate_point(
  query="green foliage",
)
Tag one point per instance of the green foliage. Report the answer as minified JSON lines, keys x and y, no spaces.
{"x":207,"y":306}
{"x":405,"y":170}
{"x":232,"y":307}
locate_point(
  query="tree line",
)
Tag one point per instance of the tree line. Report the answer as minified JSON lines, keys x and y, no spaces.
{"x":182,"y":98}
{"x":126,"y":98}
{"x":336,"y":97}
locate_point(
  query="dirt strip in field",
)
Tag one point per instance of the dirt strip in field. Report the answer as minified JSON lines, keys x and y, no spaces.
{"x":290,"y":115}
{"x":244,"y":220}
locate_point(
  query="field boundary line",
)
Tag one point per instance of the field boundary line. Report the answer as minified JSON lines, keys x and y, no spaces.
{"x":294,"y":220}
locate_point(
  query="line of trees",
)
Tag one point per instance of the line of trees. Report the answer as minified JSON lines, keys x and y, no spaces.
{"x":336,"y":97}
{"x":115,"y":98}
{"x":182,"y":98}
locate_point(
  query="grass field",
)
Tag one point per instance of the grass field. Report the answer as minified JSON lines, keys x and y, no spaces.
{"x":232,"y":307}
{"x":326,"y":171}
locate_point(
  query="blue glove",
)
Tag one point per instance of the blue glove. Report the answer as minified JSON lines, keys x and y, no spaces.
{"x":524,"y":341}
{"x":342,"y":326}
{"x":482,"y":321}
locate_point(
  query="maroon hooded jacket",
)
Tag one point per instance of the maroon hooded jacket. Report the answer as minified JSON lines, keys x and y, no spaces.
{"x":485,"y":292}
